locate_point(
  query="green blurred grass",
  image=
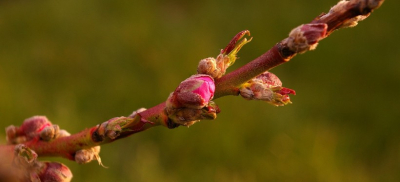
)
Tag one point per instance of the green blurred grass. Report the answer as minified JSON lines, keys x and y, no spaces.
{"x":83,"y":62}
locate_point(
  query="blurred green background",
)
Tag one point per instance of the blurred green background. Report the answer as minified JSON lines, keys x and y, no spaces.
{"x":83,"y":62}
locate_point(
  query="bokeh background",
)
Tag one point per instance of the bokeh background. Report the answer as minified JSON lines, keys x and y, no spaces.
{"x":83,"y":62}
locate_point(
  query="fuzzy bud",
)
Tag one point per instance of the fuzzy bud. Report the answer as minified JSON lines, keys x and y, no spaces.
{"x":52,"y":171}
{"x":216,"y":68}
{"x":11,"y":133}
{"x":14,"y":135}
{"x":87,"y":155}
{"x":32,"y":127}
{"x":50,"y":132}
{"x":305,"y":37}
{"x":266,"y":87}
{"x":210,"y":67}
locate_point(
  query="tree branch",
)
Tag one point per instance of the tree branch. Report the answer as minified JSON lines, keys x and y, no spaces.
{"x":301,"y":39}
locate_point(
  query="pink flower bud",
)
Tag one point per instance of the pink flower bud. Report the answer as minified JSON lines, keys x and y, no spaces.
{"x":32,"y":127}
{"x":194,"y":92}
{"x":191,"y":101}
{"x":54,"y":171}
{"x":206,"y":89}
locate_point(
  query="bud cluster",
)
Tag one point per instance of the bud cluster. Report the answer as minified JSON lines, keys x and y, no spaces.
{"x":25,"y":159}
{"x":266,"y":87}
{"x":34,"y":128}
{"x":216,"y":67}
{"x":191,"y":101}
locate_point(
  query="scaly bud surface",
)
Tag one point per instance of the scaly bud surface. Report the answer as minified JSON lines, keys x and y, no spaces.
{"x":87,"y":155}
{"x":54,"y":172}
{"x":266,"y":87}
{"x":32,"y":127}
{"x":190,"y":102}
{"x":49,"y":132}
{"x":216,"y":68}
{"x":305,"y":37}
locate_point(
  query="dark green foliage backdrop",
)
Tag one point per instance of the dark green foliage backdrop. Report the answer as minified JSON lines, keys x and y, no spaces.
{"x":83,"y":62}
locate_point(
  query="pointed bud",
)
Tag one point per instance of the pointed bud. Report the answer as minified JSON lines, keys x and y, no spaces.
{"x":305,"y":37}
{"x":266,"y":87}
{"x":233,"y":47}
{"x":63,"y":133}
{"x":216,"y":68}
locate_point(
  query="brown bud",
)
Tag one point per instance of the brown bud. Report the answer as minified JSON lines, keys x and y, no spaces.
{"x":209,"y":66}
{"x":305,"y":37}
{"x":50,"y":132}
{"x":87,"y":155}
{"x":11,"y":133}
{"x":189,"y":116}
